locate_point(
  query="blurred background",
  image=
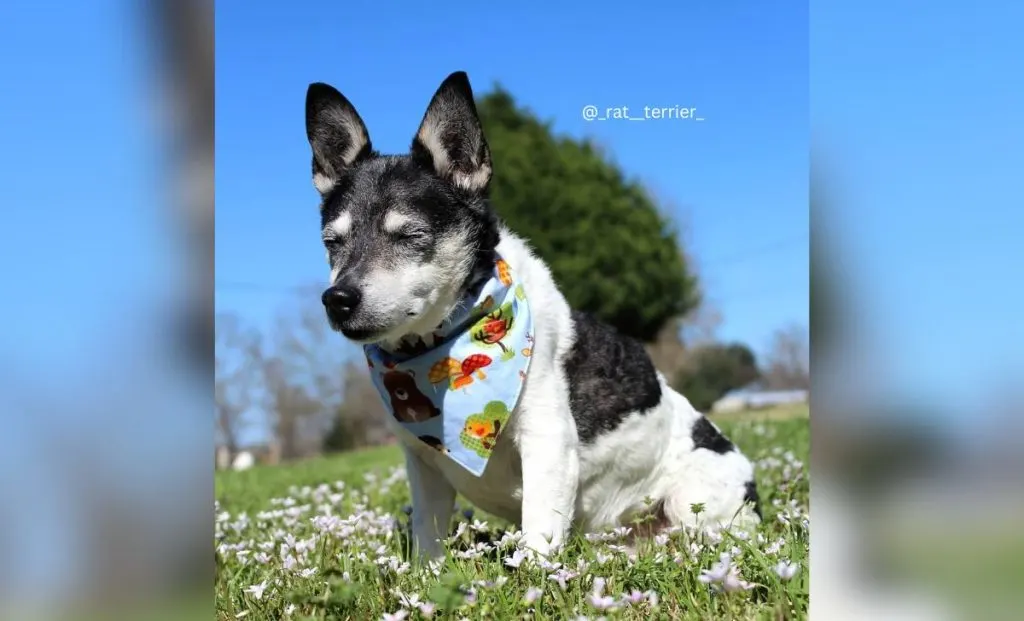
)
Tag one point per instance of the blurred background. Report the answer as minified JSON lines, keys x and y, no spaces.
{"x":108,"y":365}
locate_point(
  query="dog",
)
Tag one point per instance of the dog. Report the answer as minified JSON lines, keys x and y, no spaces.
{"x":597,"y":437}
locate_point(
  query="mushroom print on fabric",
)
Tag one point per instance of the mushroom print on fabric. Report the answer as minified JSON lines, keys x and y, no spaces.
{"x":459,"y":374}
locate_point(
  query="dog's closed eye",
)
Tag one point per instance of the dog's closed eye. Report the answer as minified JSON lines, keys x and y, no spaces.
{"x":410,"y":236}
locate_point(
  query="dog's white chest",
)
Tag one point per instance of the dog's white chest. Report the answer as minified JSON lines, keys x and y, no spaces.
{"x":497,"y":491}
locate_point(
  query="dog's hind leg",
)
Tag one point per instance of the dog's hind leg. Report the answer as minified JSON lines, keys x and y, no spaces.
{"x":714,"y":489}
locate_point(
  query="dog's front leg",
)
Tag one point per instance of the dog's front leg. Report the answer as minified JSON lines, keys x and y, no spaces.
{"x":548,"y":446}
{"x":433,"y":501}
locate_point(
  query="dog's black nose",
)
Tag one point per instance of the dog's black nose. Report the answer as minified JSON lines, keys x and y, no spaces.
{"x":341,"y":300}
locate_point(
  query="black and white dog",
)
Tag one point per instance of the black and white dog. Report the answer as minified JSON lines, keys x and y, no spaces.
{"x":596,"y":433}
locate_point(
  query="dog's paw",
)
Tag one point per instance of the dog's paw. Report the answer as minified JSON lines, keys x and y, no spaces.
{"x":539,"y":545}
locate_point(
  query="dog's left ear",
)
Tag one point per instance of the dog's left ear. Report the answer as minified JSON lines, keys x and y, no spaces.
{"x":451,"y":140}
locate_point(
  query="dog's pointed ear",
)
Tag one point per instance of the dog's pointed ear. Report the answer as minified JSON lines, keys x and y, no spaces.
{"x":451,"y":140}
{"x":336,"y":133}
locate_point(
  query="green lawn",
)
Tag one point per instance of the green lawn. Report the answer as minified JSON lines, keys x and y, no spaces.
{"x":325,"y":539}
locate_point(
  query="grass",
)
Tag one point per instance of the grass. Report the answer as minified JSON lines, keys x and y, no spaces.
{"x":326,"y":539}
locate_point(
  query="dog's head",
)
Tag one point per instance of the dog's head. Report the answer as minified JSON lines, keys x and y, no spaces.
{"x":406,"y":235}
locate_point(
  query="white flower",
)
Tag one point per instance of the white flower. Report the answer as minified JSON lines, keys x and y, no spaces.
{"x":717,"y":572}
{"x":398,"y":615}
{"x":409,"y":601}
{"x":602,"y":602}
{"x":289,"y":609}
{"x":516,"y":559}
{"x":308,"y":572}
{"x":652,"y":599}
{"x":479,"y":526}
{"x":256,"y":590}
{"x":713,"y":536}
{"x":775,"y":546}
{"x":561,"y":576}
{"x":733,"y":582}
{"x":726,"y":576}
{"x":786,"y":570}
{"x":459,"y":530}
{"x":532,"y":594}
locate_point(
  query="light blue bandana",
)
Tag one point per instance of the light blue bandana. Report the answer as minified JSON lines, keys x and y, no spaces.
{"x":457,"y":392}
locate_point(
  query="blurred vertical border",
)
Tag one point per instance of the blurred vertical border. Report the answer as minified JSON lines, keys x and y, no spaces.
{"x":917,"y":495}
{"x":106,"y":479}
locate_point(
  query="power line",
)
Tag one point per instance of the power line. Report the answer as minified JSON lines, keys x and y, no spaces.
{"x":756,"y":252}
{"x":236,"y":285}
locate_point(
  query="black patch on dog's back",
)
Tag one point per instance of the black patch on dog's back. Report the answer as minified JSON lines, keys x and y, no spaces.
{"x":750,"y":495}
{"x":610,"y":376}
{"x":705,"y":436}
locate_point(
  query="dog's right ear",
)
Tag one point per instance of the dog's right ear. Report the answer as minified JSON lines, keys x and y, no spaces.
{"x":336,"y":133}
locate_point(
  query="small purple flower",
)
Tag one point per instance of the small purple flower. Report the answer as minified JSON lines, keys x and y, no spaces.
{"x":602,"y":602}
{"x":634,"y":597}
{"x":561,"y":576}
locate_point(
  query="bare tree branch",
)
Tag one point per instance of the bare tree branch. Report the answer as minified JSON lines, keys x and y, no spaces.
{"x":238,"y":373}
{"x":788,"y":362}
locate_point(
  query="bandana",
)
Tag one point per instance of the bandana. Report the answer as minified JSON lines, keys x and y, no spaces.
{"x":456,"y":392}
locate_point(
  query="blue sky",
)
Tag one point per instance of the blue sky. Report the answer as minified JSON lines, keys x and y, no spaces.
{"x":737,"y":181}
